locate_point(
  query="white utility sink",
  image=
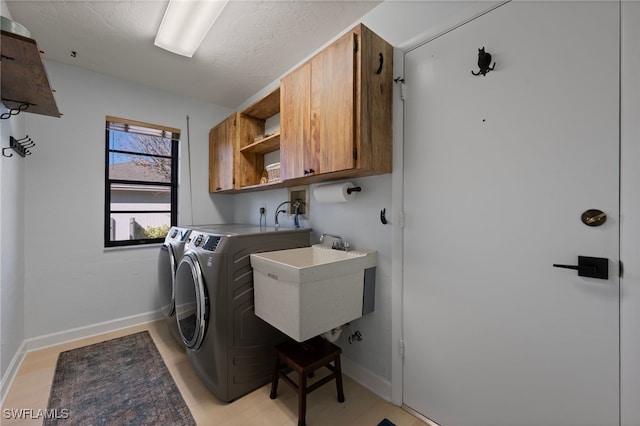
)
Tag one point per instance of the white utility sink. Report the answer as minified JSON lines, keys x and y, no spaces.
{"x":307,"y":291}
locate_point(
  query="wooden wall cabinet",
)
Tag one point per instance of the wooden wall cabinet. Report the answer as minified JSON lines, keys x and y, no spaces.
{"x":236,"y":158}
{"x":335,"y":121}
{"x":229,"y":168}
{"x":336,"y":111}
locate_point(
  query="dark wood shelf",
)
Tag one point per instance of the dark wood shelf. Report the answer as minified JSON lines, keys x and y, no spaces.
{"x":24,"y":78}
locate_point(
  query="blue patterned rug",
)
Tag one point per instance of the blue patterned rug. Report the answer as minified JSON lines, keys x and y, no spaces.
{"x":123,"y":381}
{"x":386,"y":422}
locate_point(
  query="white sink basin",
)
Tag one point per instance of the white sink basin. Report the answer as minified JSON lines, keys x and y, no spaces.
{"x":307,"y":291}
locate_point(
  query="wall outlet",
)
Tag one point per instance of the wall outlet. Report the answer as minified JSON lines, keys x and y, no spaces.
{"x":263,"y":209}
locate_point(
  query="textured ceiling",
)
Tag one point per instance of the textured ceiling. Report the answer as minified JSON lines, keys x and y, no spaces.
{"x":252,"y":43}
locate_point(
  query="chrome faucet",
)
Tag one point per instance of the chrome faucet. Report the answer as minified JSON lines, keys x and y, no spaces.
{"x":338,"y":242}
{"x":278,"y":211}
{"x":296,"y":204}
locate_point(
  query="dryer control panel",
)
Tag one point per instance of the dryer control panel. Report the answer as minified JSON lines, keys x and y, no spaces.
{"x":212,"y":243}
{"x":204,"y":241}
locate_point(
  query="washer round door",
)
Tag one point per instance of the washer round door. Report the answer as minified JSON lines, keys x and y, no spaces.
{"x":191,"y":301}
{"x":167,"y":264}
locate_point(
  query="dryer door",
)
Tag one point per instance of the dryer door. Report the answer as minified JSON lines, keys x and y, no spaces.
{"x":191,"y":301}
{"x":167,"y":264}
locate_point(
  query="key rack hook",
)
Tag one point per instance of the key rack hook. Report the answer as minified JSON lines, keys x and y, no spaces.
{"x":21,"y":146}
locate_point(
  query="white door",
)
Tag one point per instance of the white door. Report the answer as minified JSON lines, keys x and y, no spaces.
{"x":498,"y":171}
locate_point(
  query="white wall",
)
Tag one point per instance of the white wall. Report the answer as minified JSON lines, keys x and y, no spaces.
{"x":71,"y":280}
{"x":12,"y":211}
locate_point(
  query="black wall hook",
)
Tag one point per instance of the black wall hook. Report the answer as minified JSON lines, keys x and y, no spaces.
{"x":21,"y":146}
{"x":484,"y":63}
{"x":383,"y":216}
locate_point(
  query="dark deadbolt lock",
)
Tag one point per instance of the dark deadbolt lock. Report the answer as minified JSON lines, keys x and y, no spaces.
{"x":594,"y":217}
{"x":593,"y":267}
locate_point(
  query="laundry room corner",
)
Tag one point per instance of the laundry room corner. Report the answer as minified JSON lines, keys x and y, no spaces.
{"x":71,"y":280}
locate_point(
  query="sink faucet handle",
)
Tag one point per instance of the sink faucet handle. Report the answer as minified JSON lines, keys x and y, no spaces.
{"x":337,"y":239}
{"x":338,"y":244}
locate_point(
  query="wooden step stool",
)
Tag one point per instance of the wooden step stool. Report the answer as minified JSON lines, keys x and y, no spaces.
{"x":305,"y":358}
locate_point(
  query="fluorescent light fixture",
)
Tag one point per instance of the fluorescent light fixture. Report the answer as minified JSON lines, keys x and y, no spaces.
{"x":186,"y":23}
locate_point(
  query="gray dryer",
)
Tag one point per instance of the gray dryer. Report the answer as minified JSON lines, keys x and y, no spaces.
{"x":229,"y":347}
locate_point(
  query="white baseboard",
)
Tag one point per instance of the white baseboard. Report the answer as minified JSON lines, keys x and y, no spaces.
{"x":58,"y":338}
{"x":410,"y":410}
{"x":10,"y":374}
{"x":376,"y":384}
{"x":53,"y":339}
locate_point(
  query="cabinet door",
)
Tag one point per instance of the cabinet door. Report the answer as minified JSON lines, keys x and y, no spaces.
{"x":221,"y":154}
{"x":295,"y":95}
{"x":332,"y":136}
{"x":317,"y":113}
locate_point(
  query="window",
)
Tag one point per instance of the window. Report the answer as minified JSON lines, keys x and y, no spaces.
{"x":141,"y":182}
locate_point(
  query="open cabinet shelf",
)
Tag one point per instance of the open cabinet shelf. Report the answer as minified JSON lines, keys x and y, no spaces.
{"x":236,"y":158}
{"x":266,"y":107}
{"x":263,"y":146}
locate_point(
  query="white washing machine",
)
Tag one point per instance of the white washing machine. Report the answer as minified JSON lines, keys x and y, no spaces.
{"x":229,"y":347}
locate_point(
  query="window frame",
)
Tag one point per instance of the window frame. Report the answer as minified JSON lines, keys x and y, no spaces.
{"x":174,"y":138}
